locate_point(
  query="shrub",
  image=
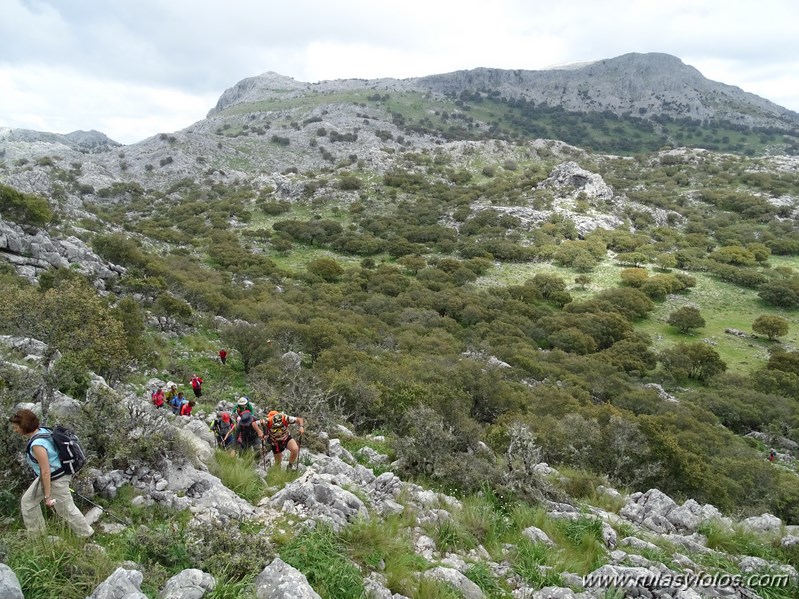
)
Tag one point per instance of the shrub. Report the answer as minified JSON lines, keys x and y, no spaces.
{"x":349,"y":183}
{"x":694,"y":361}
{"x":770,"y":326}
{"x":325,"y":268}
{"x":24,"y":208}
{"x":686,"y":318}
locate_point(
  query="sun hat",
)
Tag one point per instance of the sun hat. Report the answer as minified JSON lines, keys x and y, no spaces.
{"x":243,"y":401}
{"x":246,"y":418}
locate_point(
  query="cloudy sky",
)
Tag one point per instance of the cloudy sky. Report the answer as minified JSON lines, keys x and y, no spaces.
{"x":134,"y":68}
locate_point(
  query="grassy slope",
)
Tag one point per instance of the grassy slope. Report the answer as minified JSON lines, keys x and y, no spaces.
{"x":722,"y":306}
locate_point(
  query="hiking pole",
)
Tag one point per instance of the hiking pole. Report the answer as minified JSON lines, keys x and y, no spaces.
{"x":299,"y":449}
{"x":102,"y":509}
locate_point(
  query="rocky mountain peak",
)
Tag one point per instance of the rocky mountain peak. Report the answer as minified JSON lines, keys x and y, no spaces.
{"x":264,"y":86}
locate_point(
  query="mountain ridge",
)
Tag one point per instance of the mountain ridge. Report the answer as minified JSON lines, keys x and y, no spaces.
{"x":640,"y":84}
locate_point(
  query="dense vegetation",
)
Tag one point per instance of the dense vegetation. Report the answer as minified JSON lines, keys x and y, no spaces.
{"x":386,"y":305}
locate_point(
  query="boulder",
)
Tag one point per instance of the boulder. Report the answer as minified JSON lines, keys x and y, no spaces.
{"x":336,"y":450}
{"x":9,"y":584}
{"x":536,"y":535}
{"x":278,"y":580}
{"x":763,"y":524}
{"x":189,"y":584}
{"x":319,"y":496}
{"x":789,"y":541}
{"x":652,"y":503}
{"x":638,"y":544}
{"x":210,"y":500}
{"x":688,"y":516}
{"x":463,"y":585}
{"x":122,"y":583}
{"x":372,"y":456}
{"x":608,"y":536}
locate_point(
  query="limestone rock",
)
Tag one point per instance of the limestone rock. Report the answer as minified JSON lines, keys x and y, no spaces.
{"x":463,"y":585}
{"x":278,"y":580}
{"x":763,"y":524}
{"x":122,"y":583}
{"x":9,"y":584}
{"x":188,"y":584}
{"x":536,"y":535}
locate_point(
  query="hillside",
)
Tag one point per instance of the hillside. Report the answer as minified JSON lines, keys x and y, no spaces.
{"x":498,"y":309}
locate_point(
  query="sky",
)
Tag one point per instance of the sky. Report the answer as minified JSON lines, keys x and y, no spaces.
{"x":136,"y":68}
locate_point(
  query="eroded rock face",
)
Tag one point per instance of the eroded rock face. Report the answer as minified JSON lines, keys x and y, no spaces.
{"x":569,"y":178}
{"x":34,"y":253}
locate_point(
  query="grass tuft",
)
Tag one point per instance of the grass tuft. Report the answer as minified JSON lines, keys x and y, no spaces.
{"x":238,"y":474}
{"x":321,"y":556}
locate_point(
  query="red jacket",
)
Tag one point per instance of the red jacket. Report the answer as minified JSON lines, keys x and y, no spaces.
{"x":185,"y":410}
{"x":196,"y":382}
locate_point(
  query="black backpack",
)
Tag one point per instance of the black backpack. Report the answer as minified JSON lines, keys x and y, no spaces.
{"x":66,"y":443}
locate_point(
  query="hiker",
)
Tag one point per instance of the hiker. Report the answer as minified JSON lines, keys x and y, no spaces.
{"x":171,"y":393}
{"x":276,"y":428}
{"x":772,"y":455}
{"x":197,"y":385}
{"x":222,"y":355}
{"x":177,"y":402}
{"x":158,"y":396}
{"x":221,"y":427}
{"x":244,"y":405}
{"x":246,"y":433}
{"x":185,"y":409}
{"x":50,"y":484}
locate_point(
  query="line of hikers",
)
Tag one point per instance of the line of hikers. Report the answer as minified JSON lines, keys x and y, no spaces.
{"x":241,"y":430}
{"x":175,"y":399}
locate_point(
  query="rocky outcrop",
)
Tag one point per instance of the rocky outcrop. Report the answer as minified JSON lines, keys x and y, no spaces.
{"x":659,"y":513}
{"x":569,"y":179}
{"x":34,"y":253}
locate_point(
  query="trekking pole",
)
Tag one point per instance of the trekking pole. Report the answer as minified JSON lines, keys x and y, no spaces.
{"x":102,"y":509}
{"x":299,"y":450}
